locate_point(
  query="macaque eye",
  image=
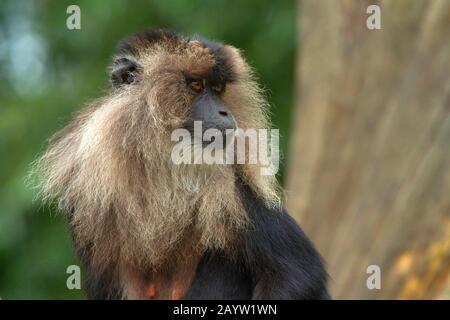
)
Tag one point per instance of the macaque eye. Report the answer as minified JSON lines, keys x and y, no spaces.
{"x":196,"y":85}
{"x":218,"y":88}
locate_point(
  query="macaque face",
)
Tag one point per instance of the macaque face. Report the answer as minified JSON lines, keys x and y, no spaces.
{"x":184,"y":80}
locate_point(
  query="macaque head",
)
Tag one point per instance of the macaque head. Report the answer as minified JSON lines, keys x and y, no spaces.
{"x":180,"y":80}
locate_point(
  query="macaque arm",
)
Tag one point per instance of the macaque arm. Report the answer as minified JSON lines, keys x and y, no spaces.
{"x":282,"y":260}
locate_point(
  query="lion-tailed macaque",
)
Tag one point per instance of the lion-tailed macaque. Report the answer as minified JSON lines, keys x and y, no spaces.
{"x":146,"y":228}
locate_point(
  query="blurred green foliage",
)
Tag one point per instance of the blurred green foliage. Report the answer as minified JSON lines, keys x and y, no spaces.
{"x":47,"y":72}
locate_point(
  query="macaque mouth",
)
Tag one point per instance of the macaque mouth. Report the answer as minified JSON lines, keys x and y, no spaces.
{"x":206,"y":135}
{"x":210,"y":109}
{"x":210,"y":120}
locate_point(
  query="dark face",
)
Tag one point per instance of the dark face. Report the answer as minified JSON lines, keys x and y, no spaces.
{"x":194,"y":78}
{"x":207,"y":106}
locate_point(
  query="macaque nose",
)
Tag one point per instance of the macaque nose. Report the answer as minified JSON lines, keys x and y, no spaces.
{"x":212,"y":113}
{"x":222,"y":121}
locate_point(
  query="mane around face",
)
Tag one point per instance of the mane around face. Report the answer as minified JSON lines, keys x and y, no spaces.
{"x":110,"y":168}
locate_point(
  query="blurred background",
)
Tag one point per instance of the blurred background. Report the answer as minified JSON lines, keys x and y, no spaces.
{"x":48,"y":72}
{"x":364,"y":119}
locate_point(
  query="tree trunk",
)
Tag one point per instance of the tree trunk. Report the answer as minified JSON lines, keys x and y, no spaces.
{"x":369,"y":167}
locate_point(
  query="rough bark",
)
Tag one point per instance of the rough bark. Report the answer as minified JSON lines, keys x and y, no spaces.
{"x":369,"y":167}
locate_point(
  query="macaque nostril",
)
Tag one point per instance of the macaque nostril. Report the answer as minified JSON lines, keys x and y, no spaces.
{"x":223,"y":113}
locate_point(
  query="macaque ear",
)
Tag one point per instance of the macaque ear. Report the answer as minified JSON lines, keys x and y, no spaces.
{"x":124,"y":72}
